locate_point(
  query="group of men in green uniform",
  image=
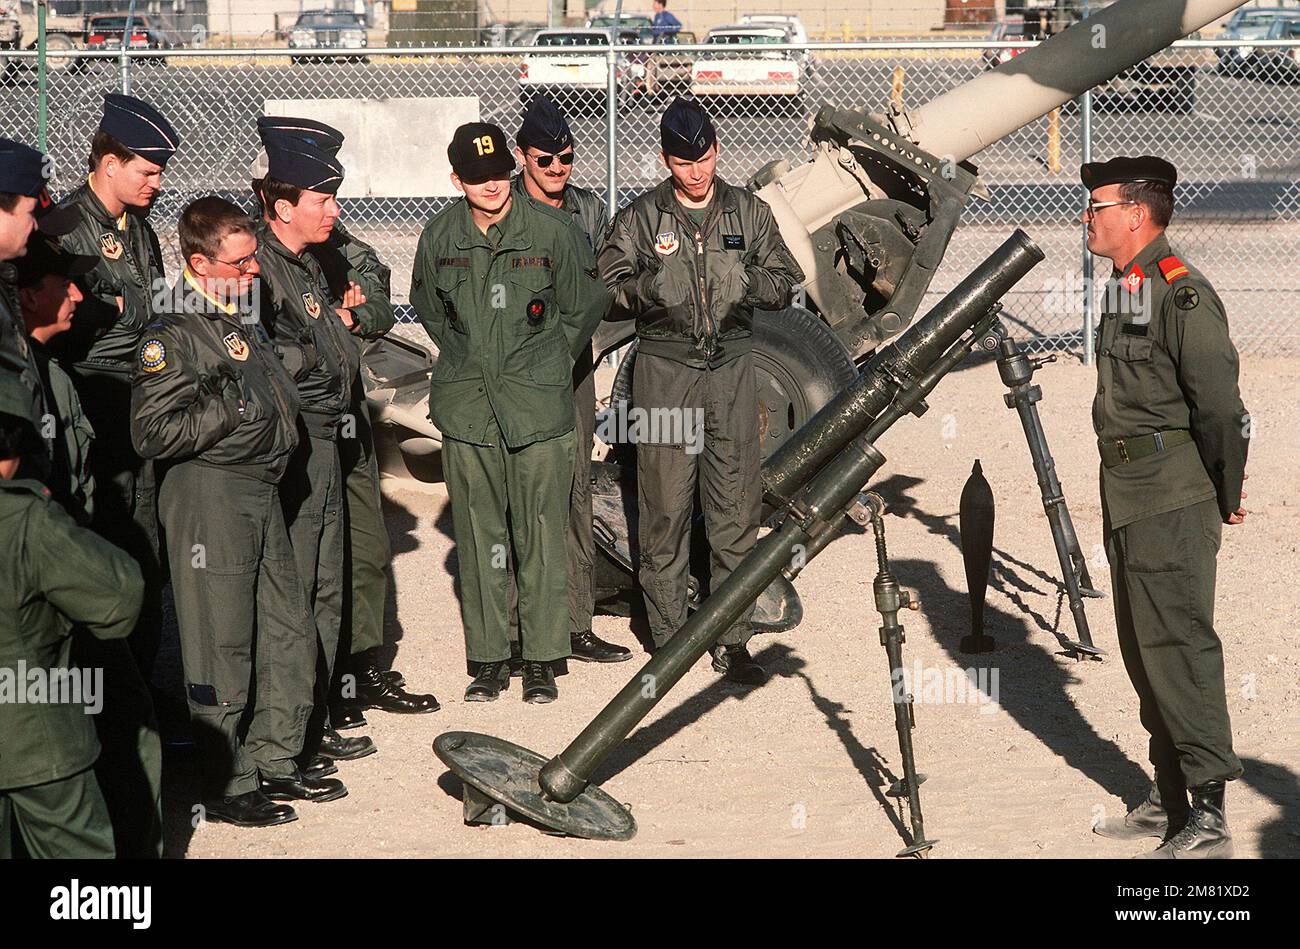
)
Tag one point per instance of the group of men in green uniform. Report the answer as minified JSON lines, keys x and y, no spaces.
{"x":510,"y":282}
{"x":215,"y":433}
{"x":239,"y":388}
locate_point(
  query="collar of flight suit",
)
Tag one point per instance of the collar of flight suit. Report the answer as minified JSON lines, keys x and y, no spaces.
{"x":99,"y":211}
{"x":514,"y":229}
{"x":266,"y":237}
{"x":220,"y":306}
{"x":519,"y":186}
{"x":666,"y":197}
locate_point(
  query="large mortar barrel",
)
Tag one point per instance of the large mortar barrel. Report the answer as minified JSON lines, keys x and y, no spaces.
{"x":564,"y":776}
{"x":978,"y":113}
{"x":841,"y":419}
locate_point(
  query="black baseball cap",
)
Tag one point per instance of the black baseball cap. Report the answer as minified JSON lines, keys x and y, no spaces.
{"x":1122,"y":170}
{"x":685,"y":130}
{"x":479,"y":151}
{"x":46,"y":256}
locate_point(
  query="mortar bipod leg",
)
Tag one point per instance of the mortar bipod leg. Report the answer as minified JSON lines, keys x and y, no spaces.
{"x":1017,"y":372}
{"x":889,"y":600}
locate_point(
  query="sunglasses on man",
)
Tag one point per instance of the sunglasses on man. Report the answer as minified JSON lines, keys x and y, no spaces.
{"x":544,"y":161}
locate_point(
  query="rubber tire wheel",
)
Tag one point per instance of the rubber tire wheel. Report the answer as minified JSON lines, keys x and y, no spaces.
{"x":799,"y":365}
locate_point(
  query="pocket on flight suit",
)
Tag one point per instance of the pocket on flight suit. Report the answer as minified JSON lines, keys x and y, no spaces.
{"x":531,"y":301}
{"x":453,"y":347}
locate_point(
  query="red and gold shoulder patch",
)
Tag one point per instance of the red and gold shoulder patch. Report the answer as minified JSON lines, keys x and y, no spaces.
{"x":1172,"y":268}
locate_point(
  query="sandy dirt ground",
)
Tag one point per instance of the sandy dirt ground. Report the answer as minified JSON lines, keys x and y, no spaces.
{"x":799,"y":767}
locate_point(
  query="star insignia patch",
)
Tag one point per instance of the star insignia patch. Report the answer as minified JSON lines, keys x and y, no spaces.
{"x":153,"y":356}
{"x":1186,"y":298}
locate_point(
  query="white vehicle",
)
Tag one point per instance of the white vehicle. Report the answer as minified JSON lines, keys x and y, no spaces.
{"x":742,"y":68}
{"x":791,"y":22}
{"x":576,"y":70}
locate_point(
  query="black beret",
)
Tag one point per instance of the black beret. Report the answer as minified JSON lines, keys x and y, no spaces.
{"x":295,"y":162}
{"x":140,"y":127}
{"x":1122,"y":169}
{"x":685,"y":130}
{"x":478,"y":151}
{"x":544,"y":127}
{"x":45,"y":256}
{"x":325,"y":137}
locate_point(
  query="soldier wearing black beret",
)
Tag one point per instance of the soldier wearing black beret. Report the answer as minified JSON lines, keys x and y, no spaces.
{"x":1173,"y":435}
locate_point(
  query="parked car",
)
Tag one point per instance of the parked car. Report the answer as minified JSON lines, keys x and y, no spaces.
{"x":1009,"y":30}
{"x":576,"y":80}
{"x":1278,"y":63}
{"x":666,"y":70}
{"x":742,"y":70}
{"x":1165,"y":82}
{"x":1248,"y":23}
{"x":634,"y":21}
{"x":105,"y":31}
{"x":789,"y":21}
{"x":328,"y":29}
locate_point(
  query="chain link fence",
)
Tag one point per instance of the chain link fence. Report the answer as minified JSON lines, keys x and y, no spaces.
{"x":1229,"y":122}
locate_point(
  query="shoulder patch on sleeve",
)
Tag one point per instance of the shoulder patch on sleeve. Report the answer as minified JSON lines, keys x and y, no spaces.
{"x":1172,"y":268}
{"x":1186,"y":298}
{"x":153,"y":355}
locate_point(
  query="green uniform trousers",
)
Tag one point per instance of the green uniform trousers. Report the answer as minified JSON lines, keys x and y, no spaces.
{"x":243,"y":614}
{"x":126,"y":514}
{"x":64,"y":819}
{"x":580,"y":542}
{"x":1162,"y":577}
{"x":126,"y":498}
{"x":581,"y":545}
{"x":365,"y":589}
{"x":706,"y":433}
{"x":313,"y":509}
{"x":129,"y":768}
{"x":504,"y":498}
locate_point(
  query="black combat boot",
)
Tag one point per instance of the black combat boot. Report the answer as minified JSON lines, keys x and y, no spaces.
{"x":299,"y":787}
{"x":320,"y":767}
{"x":487,"y":685}
{"x":737,"y":665}
{"x":376,"y":691}
{"x":588,"y":647}
{"x":539,"y":683}
{"x":1206,"y":836}
{"x":250,"y":809}
{"x":336,"y":747}
{"x":1153,"y":817}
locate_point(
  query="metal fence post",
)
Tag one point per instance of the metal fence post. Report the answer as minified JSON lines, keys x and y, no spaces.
{"x":42,"y":93}
{"x":126,"y":46}
{"x":1086,"y":135}
{"x":611,"y":133}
